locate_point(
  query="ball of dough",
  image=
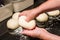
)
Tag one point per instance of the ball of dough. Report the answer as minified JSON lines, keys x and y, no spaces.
{"x":16,"y":16}
{"x":12,"y":24}
{"x":28,"y":25}
{"x":53,"y":13}
{"x":42,"y":17}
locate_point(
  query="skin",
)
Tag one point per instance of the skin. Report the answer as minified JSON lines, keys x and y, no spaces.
{"x":41,"y":33}
{"x":31,"y":14}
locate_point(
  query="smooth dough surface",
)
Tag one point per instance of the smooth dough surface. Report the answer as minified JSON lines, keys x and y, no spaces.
{"x":53,"y":13}
{"x":16,"y":16}
{"x":28,"y":25}
{"x":42,"y":17}
{"x":12,"y":24}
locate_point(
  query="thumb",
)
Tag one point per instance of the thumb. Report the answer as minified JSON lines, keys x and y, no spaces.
{"x":28,"y":18}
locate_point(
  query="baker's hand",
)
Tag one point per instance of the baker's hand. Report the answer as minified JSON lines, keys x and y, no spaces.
{"x":40,"y":33}
{"x":30,"y":14}
{"x":37,"y":32}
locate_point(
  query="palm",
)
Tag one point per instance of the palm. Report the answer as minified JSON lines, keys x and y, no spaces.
{"x":37,"y":32}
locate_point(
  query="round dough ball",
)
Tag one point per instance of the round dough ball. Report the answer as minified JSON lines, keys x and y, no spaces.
{"x":42,"y":17}
{"x":12,"y":24}
{"x":16,"y":16}
{"x":28,"y":25}
{"x":53,"y":13}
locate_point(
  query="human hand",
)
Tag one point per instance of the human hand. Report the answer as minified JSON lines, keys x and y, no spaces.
{"x":40,"y":33}
{"x":37,"y":32}
{"x":30,"y":14}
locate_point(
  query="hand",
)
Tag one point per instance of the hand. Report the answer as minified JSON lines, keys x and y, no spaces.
{"x":48,"y":5}
{"x":40,"y":33}
{"x":37,"y":32}
{"x":30,"y":14}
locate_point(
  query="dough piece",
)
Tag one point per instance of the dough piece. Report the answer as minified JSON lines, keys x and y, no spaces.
{"x":53,"y":13}
{"x":12,"y":24}
{"x":42,"y":17}
{"x":16,"y":16}
{"x":25,"y":24}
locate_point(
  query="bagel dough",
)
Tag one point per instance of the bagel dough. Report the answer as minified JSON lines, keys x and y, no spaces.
{"x":12,"y":24}
{"x":53,"y":13}
{"x":28,"y":25}
{"x":42,"y":17}
{"x":16,"y":16}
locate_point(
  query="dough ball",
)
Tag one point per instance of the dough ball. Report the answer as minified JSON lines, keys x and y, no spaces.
{"x":12,"y":24}
{"x":16,"y":16}
{"x":28,"y":25}
{"x":53,"y":13}
{"x":42,"y":17}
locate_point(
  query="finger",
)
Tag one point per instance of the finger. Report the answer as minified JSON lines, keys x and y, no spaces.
{"x":20,"y":14}
{"x":27,"y":32}
{"x":28,"y":18}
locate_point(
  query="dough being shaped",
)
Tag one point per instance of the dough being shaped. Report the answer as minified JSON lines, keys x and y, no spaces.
{"x":28,"y":25}
{"x":12,"y":24}
{"x":53,"y":13}
{"x":42,"y":17}
{"x":16,"y":16}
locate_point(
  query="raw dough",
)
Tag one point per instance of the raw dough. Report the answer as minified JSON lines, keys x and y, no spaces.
{"x":25,"y":24}
{"x":42,"y":17}
{"x":16,"y":16}
{"x":53,"y":13}
{"x":12,"y":24}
